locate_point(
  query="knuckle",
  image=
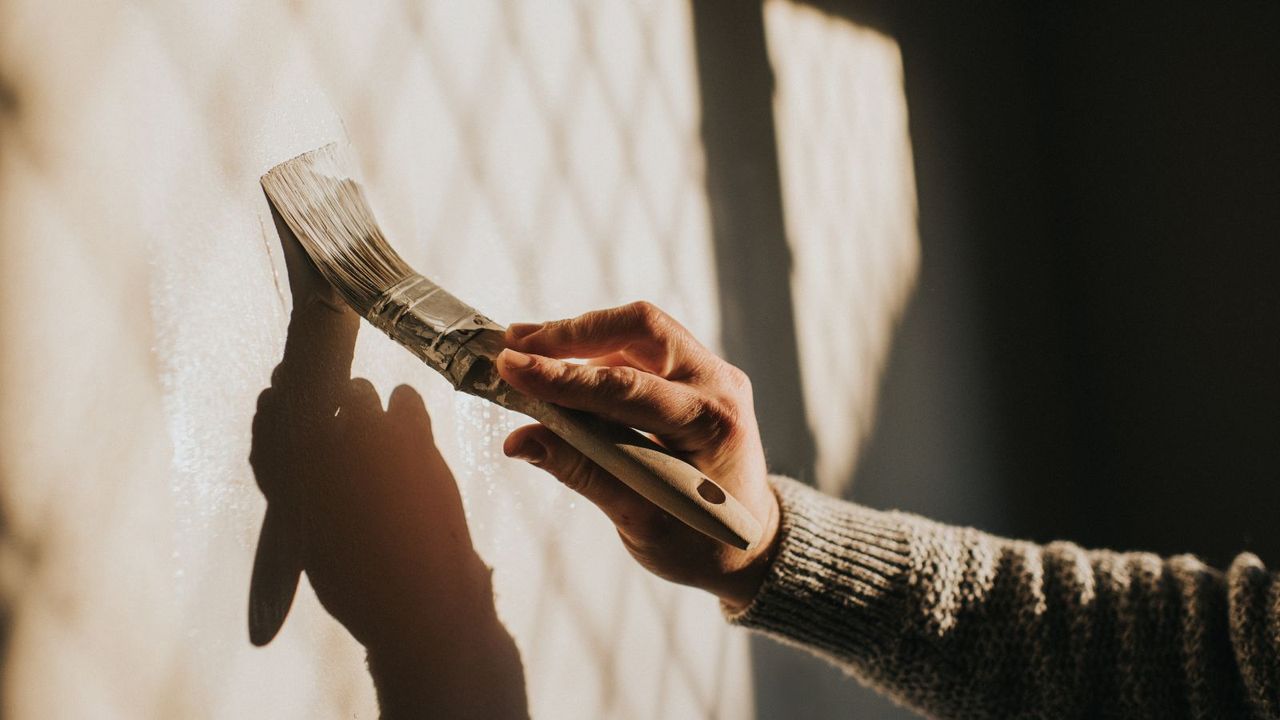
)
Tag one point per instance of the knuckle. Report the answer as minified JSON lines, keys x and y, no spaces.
{"x":577,"y":474}
{"x":649,"y":317}
{"x":642,"y":308}
{"x":717,"y":419}
{"x":559,"y":329}
{"x":576,"y":329}
{"x":736,"y":379}
{"x":618,"y":382}
{"x":556,"y":373}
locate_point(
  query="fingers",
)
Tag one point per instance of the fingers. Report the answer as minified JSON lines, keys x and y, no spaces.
{"x":622,"y":394}
{"x":646,"y":335}
{"x":644,"y":370}
{"x":540,"y":447}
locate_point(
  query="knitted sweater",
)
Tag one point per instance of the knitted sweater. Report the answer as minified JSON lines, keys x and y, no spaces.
{"x":956,"y":623}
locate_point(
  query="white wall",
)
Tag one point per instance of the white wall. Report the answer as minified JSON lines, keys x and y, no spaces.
{"x":538,"y":159}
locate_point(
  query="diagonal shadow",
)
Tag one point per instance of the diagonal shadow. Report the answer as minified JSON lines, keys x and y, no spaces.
{"x":362,"y":501}
{"x":753,"y":265}
{"x":744,"y":190}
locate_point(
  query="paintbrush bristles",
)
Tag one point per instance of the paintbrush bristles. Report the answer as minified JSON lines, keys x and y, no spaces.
{"x":318,"y":196}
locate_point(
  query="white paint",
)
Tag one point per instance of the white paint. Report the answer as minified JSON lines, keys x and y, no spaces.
{"x":145,"y":304}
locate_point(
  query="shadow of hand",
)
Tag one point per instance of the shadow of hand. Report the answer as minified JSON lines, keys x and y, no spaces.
{"x":362,"y":500}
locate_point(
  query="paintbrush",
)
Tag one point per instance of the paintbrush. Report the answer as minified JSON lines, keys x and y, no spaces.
{"x":324,"y":204}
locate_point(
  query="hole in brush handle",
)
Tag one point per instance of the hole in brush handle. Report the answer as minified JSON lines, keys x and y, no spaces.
{"x":711,"y":492}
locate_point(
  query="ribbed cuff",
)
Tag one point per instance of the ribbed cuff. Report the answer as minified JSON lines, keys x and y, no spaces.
{"x":836,"y":580}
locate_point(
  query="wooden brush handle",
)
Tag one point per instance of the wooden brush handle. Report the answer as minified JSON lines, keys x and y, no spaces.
{"x":646,"y":467}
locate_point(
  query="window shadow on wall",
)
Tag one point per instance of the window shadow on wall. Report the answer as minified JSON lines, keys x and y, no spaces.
{"x":753,"y":265}
{"x":1090,"y":351}
{"x":759,"y":333}
{"x":361,"y":500}
{"x":1097,"y":214}
{"x":753,"y":260}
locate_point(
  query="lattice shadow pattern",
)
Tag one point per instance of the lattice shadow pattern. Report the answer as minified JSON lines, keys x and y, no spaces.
{"x":556,"y":143}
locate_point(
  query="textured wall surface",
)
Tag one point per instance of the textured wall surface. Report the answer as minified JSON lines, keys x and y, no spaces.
{"x":538,"y":159}
{"x":848,"y":190}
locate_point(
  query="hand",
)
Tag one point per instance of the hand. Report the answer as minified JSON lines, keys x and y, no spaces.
{"x":647,"y":371}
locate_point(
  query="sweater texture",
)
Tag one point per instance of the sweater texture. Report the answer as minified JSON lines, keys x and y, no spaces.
{"x":956,"y":623}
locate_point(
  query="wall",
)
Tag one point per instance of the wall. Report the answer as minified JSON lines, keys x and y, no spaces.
{"x":538,"y":160}
{"x":1090,"y":350}
{"x":812,"y":188}
{"x":1086,"y":344}
{"x":1164,"y":224}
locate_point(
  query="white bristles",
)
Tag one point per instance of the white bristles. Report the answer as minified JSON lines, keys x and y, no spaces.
{"x":318,"y":196}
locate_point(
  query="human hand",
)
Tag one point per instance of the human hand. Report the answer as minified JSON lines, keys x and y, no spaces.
{"x":647,"y":371}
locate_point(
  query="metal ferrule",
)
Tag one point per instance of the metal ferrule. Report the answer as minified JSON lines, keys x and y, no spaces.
{"x":432,"y":324}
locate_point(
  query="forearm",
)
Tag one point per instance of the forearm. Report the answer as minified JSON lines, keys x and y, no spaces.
{"x":958,"y":623}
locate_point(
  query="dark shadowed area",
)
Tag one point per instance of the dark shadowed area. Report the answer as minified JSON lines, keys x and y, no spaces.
{"x":1092,"y":351}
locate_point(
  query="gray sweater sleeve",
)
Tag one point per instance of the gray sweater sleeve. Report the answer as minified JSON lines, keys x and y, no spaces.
{"x":960,"y":624}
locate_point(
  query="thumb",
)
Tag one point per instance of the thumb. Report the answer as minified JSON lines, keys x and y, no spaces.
{"x":629,"y":511}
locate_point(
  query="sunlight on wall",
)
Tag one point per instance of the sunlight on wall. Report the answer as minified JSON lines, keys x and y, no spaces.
{"x":850,"y":202}
{"x":537,"y":159}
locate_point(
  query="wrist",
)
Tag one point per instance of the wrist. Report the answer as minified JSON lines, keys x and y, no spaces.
{"x":743,"y":584}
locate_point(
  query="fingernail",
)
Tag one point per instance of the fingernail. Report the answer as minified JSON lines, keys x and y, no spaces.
{"x":533,"y":452}
{"x":515,"y":359}
{"x":519,"y":330}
